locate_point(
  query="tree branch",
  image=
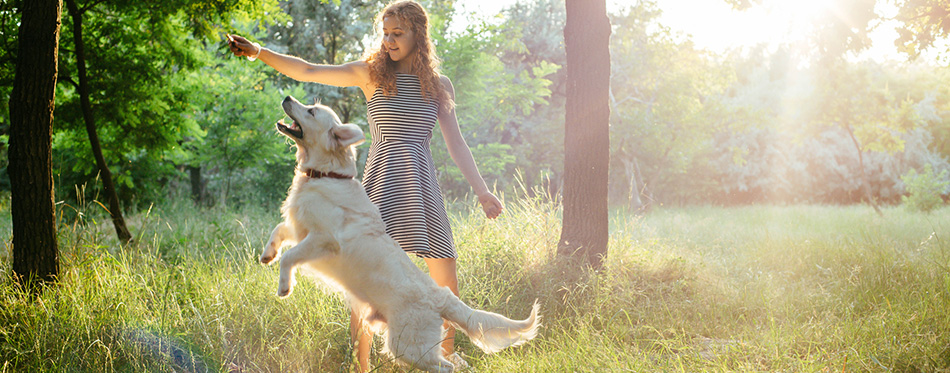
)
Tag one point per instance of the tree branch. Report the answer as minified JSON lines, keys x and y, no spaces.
{"x":69,"y":79}
{"x":90,"y":6}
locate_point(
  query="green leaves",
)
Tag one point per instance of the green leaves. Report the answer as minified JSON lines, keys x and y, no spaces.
{"x":924,"y":189}
{"x":686,"y":124}
{"x":139,"y":55}
{"x":665,"y":100}
{"x":923,"y":24}
{"x":504,"y":77}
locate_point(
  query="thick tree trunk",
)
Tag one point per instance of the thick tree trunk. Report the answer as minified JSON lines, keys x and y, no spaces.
{"x":114,"y":209}
{"x":587,"y":137}
{"x":35,"y":251}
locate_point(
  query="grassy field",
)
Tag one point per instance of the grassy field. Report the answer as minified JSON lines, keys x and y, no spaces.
{"x":797,"y":288}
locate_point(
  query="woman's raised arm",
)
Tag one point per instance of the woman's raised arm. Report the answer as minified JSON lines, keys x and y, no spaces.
{"x":352,"y":74}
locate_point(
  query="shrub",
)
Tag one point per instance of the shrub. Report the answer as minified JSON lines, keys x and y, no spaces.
{"x":924,"y":189}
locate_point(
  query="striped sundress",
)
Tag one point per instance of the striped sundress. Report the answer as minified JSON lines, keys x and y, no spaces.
{"x":400,"y":176}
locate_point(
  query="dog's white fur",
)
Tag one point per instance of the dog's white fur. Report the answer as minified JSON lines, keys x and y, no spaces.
{"x":339,"y":234}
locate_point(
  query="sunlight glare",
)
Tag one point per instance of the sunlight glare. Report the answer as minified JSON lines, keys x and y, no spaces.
{"x":796,"y":16}
{"x":716,"y":26}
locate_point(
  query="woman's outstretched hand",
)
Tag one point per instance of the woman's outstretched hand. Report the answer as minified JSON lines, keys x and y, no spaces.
{"x":242,"y":47}
{"x":491,"y":205}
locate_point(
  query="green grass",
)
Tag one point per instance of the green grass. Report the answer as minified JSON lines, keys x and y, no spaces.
{"x":798,"y":288}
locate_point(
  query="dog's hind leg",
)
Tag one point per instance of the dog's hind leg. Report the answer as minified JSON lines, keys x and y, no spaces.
{"x":278,"y":236}
{"x":311,"y":249}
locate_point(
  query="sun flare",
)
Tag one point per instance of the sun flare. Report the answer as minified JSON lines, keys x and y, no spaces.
{"x":796,"y":16}
{"x":803,"y":10}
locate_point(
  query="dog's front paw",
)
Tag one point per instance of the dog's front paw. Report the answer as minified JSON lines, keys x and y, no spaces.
{"x":269,"y":254}
{"x":284,"y":291}
{"x":285,"y":288}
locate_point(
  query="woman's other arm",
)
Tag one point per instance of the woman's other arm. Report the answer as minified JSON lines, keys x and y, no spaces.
{"x":462,"y":156}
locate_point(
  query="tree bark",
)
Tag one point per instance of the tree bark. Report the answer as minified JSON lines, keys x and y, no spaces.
{"x":114,"y":208}
{"x":35,"y":251}
{"x":197,"y":190}
{"x":587,"y":138}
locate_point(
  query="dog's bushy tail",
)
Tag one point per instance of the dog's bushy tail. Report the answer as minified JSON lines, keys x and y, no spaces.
{"x":490,"y":331}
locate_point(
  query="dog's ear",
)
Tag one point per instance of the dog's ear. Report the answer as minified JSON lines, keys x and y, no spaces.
{"x":348,"y":134}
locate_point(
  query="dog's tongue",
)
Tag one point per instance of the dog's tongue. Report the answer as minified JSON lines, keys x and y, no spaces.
{"x":292,"y":125}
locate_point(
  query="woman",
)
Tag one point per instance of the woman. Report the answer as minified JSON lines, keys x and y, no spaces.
{"x":405,"y":96}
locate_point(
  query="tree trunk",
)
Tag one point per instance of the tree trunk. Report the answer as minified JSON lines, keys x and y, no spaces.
{"x":35,"y":251}
{"x":644,"y":191}
{"x":197,"y":190}
{"x":865,"y":182}
{"x":587,"y":138}
{"x":631,"y":190}
{"x":634,"y":202}
{"x":114,"y":209}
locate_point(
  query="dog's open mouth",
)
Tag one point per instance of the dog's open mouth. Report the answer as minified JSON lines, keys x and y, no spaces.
{"x":292,"y":129}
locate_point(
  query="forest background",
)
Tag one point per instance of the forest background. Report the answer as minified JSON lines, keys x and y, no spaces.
{"x":179,"y":118}
{"x":795,"y":129}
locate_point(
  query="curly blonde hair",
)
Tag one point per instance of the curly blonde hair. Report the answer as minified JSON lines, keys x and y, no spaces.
{"x":425,"y":63}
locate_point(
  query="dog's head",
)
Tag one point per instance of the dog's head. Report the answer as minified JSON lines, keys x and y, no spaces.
{"x":323,"y":142}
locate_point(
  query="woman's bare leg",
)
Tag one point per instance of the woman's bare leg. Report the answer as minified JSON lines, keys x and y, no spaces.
{"x":363,"y":340}
{"x":445,"y":273}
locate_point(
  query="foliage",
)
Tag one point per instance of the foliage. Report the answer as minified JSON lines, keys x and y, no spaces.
{"x":924,"y":190}
{"x":131,"y":102}
{"x":924,"y":23}
{"x":841,"y":27}
{"x":765,"y":165}
{"x":503,"y":90}
{"x":661,"y":90}
{"x":859,"y":100}
{"x":9,"y":26}
{"x":687,"y":126}
{"x":934,"y":102}
{"x":132,"y":66}
{"x":325,"y":33}
{"x":921,"y":25}
{"x":241,"y":157}
{"x":791,"y":144}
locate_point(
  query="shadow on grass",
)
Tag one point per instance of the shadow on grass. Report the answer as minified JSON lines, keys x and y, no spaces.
{"x":166,"y":349}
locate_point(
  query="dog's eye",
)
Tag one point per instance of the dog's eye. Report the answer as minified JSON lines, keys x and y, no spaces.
{"x":312,"y":112}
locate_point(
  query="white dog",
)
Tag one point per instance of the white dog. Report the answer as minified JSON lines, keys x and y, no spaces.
{"x":340,"y":235}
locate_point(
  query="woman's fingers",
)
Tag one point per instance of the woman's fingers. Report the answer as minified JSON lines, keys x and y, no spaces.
{"x":491,"y":213}
{"x":239,"y":45}
{"x":491,"y":206}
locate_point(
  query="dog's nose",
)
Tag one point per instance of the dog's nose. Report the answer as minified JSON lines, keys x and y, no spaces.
{"x":288,"y":99}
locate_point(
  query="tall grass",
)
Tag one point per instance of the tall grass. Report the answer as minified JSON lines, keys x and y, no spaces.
{"x":799,"y":288}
